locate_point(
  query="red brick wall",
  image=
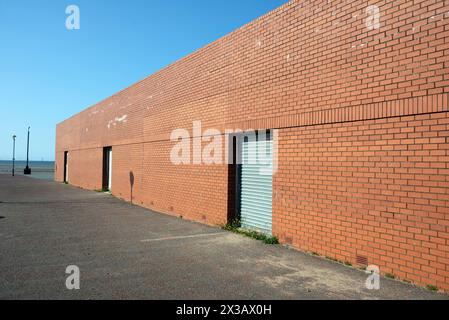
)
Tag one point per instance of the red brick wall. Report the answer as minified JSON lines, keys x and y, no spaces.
{"x":85,"y":168}
{"x":377,"y":189}
{"x":362,"y":119}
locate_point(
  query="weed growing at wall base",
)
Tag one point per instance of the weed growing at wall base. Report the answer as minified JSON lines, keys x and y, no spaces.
{"x":235,"y":226}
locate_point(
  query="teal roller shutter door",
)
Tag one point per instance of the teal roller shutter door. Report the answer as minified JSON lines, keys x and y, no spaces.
{"x":257,"y":185}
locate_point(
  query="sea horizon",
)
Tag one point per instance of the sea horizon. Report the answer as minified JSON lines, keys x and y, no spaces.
{"x":39,"y":169}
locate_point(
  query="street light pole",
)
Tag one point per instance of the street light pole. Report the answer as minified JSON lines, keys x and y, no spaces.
{"x":27,"y":170}
{"x":13,"y":152}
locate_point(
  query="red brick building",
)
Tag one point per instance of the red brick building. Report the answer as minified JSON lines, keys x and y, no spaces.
{"x":362,"y":112}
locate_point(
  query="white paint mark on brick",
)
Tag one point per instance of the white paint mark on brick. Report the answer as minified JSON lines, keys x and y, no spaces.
{"x":114,"y":122}
{"x":121,"y":119}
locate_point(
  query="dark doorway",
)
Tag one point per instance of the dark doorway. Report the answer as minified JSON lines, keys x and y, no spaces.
{"x":107,"y":168}
{"x":66,"y":166}
{"x":233,"y":180}
{"x":236,"y":167}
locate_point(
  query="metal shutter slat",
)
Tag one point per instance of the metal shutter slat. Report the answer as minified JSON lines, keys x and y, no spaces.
{"x":257,"y":187}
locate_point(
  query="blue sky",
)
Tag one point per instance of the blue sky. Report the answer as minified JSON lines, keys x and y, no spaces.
{"x":48,"y":73}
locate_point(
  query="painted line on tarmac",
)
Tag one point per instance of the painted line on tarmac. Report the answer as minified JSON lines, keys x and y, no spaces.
{"x":185,"y":237}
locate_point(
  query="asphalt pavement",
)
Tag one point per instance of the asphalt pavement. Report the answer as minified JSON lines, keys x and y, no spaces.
{"x":128,"y":252}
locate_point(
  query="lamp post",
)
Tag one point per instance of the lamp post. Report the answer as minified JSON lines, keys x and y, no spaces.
{"x":27,"y":170}
{"x":13,"y":152}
